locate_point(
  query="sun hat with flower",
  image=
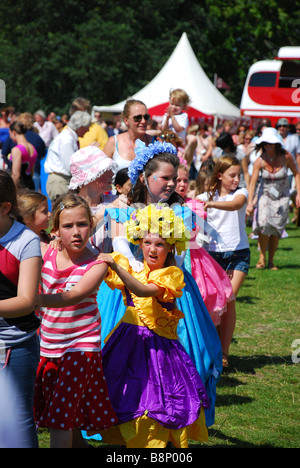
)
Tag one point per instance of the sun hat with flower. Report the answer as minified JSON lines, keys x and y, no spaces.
{"x":158,"y":219}
{"x":88,"y":164}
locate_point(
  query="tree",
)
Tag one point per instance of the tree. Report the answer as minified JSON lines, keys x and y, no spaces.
{"x":53,"y":51}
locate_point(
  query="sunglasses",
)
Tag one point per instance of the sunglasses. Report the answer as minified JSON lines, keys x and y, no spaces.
{"x":138,"y":118}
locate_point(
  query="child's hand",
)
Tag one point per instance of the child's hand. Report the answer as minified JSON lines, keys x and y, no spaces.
{"x":107,"y":259}
{"x":207,"y":205}
{"x":56,"y":243}
{"x":37,"y":302}
{"x":249,"y":209}
{"x":169,"y":111}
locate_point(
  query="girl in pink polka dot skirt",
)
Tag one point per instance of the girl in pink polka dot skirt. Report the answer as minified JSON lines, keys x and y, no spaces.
{"x":70,"y":391}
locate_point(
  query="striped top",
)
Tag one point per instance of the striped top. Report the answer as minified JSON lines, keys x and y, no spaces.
{"x":72,"y":328}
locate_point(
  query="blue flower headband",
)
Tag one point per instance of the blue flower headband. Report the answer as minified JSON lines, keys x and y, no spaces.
{"x":144,"y":153}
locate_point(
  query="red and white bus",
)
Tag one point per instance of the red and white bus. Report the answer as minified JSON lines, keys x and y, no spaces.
{"x":272,"y":88}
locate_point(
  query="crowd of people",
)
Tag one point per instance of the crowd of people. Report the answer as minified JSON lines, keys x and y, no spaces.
{"x":123,"y":250}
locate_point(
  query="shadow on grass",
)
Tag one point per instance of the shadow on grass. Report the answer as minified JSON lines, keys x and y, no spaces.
{"x":248,"y":364}
{"x":247,"y":299}
{"x":230,"y":442}
{"x":245,"y":365}
{"x":226,"y":441}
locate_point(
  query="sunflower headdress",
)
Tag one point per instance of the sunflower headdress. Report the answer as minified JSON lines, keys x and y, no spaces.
{"x":161,"y":220}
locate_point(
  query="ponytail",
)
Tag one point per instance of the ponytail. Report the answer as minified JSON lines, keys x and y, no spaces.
{"x":18,"y":127}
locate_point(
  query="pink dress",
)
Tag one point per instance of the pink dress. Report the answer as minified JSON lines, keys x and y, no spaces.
{"x":213,"y":282}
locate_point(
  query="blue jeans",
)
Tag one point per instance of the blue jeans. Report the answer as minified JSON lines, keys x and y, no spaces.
{"x":233,"y":259}
{"x":21,"y":370}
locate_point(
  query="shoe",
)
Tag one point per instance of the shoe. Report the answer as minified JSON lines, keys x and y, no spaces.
{"x":225,"y":362}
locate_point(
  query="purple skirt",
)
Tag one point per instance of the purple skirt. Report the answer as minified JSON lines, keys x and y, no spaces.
{"x":149,"y":374}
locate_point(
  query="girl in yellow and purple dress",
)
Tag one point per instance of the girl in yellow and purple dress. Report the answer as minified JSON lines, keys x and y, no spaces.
{"x":153,"y":384}
{"x":153,"y":174}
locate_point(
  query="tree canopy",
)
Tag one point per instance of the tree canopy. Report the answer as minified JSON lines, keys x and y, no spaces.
{"x":52,"y":51}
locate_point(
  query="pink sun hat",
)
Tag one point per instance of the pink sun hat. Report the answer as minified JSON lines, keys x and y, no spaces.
{"x":87,"y":165}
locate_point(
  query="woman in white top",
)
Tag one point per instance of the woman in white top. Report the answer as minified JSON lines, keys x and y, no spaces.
{"x":225,"y":204}
{"x":121,"y":147}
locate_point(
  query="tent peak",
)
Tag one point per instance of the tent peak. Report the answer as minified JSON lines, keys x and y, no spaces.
{"x":183,"y":70}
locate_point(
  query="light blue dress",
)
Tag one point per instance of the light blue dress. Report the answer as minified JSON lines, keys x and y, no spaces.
{"x":196,"y":331}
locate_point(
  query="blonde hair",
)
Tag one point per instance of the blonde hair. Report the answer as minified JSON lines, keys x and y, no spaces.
{"x":184,"y":168}
{"x":27,"y":119}
{"x":201,"y":179}
{"x":80,"y":104}
{"x":28,"y":203}
{"x":181,"y":96}
{"x":69,"y":201}
{"x":222,"y":164}
{"x":241,"y":138}
{"x":128,"y":104}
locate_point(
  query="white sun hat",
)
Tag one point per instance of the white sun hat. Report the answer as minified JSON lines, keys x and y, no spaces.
{"x":269,"y":135}
{"x":88,"y":164}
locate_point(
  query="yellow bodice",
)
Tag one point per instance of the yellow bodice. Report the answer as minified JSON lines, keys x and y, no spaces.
{"x":157,"y":313}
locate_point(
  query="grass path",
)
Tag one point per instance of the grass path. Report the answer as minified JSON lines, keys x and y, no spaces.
{"x":258,"y":397}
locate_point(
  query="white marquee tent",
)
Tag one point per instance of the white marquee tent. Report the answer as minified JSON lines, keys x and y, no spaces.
{"x":182,"y":70}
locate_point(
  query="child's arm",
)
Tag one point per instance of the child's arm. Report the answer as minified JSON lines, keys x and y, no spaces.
{"x":177,"y":127}
{"x":237,"y":203}
{"x":120,"y":202}
{"x":135,"y":286}
{"x":28,"y":283}
{"x":244,"y":165}
{"x":89,"y":283}
{"x":251,"y":190}
{"x":165,"y":125}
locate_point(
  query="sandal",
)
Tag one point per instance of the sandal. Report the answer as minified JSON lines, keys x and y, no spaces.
{"x":225,"y":360}
{"x":272,"y":267}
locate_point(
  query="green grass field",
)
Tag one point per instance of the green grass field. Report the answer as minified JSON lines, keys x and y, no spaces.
{"x":258,"y":395}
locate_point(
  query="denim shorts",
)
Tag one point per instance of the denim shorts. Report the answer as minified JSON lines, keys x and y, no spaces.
{"x":233,"y":259}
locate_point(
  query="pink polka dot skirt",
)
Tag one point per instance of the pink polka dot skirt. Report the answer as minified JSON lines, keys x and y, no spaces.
{"x":71,"y":393}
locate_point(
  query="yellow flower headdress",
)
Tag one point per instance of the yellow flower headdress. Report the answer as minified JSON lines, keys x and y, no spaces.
{"x":158,"y":219}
